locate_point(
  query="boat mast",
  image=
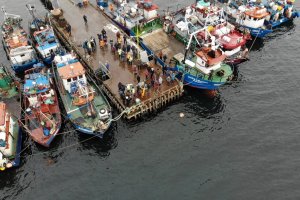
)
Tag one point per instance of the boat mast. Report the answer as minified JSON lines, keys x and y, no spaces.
{"x":190,"y":41}
{"x":31,"y":8}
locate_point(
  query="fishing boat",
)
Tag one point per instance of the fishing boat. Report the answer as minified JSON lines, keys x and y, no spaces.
{"x":205,"y":69}
{"x":43,"y":37}
{"x":16,"y":44}
{"x":253,"y":19}
{"x":42,"y":113}
{"x":128,"y":13}
{"x":85,"y":104}
{"x":213,"y":27}
{"x":10,"y":131}
{"x":280,"y":11}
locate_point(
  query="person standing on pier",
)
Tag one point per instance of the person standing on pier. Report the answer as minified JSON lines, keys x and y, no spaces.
{"x":125,"y":39}
{"x":107,"y":65}
{"x":85,"y":19}
{"x":138,"y":78}
{"x":103,"y":33}
{"x":165,"y":58}
{"x":69,"y":29}
{"x":99,"y":37}
{"x":111,"y":42}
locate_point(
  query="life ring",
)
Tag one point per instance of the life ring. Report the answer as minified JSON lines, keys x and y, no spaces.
{"x":102,"y":111}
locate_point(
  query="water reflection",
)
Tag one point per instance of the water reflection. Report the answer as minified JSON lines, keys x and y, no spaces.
{"x":203,"y":103}
{"x":99,"y":146}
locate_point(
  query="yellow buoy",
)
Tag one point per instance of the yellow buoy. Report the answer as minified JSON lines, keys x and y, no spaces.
{"x":143,"y":92}
{"x":210,"y":28}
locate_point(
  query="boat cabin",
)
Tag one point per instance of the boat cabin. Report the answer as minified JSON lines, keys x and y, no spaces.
{"x":208,"y":59}
{"x":71,"y":74}
{"x":21,"y":55}
{"x":255,"y":17}
{"x":149,"y":8}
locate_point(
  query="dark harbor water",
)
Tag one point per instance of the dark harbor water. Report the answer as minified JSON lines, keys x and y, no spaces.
{"x":242,"y":143}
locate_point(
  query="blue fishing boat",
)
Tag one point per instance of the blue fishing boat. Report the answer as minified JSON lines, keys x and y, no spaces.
{"x":281,"y":12}
{"x":203,"y":70}
{"x":16,"y":43}
{"x":42,"y":113}
{"x":254,"y":19}
{"x":85,"y":104}
{"x":43,"y":37}
{"x":10,"y":112}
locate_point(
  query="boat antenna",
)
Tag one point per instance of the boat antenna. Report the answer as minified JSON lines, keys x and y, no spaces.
{"x":31,"y":9}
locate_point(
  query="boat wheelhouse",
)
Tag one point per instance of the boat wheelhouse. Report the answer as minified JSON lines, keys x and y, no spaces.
{"x":42,"y":113}
{"x":43,"y":37}
{"x":16,"y":45}
{"x":85,"y":104}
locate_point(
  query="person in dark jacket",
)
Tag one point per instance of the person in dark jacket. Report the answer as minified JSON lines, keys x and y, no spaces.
{"x":85,"y":19}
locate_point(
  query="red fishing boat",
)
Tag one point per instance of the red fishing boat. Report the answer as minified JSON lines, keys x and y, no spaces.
{"x":42,"y":113}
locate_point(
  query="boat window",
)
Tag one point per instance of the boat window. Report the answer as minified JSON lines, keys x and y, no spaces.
{"x":22,"y":55}
{"x":68,"y":80}
{"x":75,"y":79}
{"x":80,"y":76}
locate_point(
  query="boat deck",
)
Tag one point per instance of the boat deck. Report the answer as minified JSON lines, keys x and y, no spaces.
{"x":158,"y":41}
{"x":118,"y":71}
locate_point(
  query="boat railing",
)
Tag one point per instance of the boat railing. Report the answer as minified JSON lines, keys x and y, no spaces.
{"x":103,"y":71}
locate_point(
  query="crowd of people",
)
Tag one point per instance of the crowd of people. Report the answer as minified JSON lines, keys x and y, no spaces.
{"x":147,"y":76}
{"x":151,"y":79}
{"x":90,"y":45}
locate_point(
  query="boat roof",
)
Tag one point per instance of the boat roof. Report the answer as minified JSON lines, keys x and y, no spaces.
{"x":204,"y":54}
{"x":2,"y":113}
{"x":71,"y":70}
{"x":258,"y":13}
{"x":153,"y":7}
{"x":33,"y":81}
{"x":63,"y":60}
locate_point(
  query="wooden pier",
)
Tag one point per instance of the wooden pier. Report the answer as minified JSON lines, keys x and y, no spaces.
{"x":153,"y":99}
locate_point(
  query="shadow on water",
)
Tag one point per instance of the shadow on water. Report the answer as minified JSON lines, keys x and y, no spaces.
{"x":256,"y":44}
{"x":203,"y":102}
{"x":99,"y":146}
